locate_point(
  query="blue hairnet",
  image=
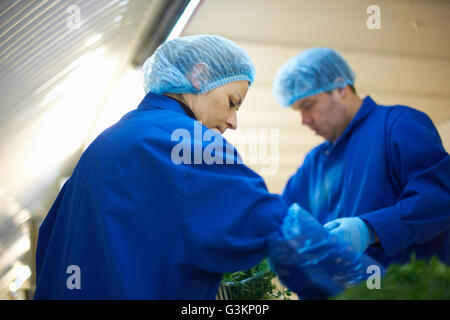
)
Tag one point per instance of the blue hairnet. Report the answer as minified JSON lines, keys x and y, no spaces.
{"x":311,"y":72}
{"x":196,"y":64}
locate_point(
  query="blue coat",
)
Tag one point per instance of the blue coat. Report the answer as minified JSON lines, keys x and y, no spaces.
{"x":137,"y":225}
{"x":390,"y":169}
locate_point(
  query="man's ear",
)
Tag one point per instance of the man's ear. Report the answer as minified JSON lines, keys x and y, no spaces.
{"x":342,"y":91}
{"x":342,"y":87}
{"x":198,"y":75}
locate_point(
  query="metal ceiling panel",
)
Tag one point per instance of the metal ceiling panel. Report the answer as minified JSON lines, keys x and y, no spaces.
{"x":43,"y":43}
{"x":37,"y":42}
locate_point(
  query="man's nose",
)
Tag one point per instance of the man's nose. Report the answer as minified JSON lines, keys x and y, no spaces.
{"x":306,"y":119}
{"x":232,"y":120}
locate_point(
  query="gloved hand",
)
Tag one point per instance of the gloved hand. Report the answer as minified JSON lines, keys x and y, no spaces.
{"x":353,"y":231}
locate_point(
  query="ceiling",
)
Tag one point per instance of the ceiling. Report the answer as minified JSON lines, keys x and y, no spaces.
{"x":339,"y":24}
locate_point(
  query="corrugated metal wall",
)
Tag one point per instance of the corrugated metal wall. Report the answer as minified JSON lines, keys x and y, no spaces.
{"x":59,"y":61}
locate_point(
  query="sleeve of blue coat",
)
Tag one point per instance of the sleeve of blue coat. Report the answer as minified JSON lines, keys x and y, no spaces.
{"x":420,"y":166}
{"x":227,"y":214}
{"x":296,"y":189}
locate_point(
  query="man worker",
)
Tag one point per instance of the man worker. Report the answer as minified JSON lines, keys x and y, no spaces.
{"x":381,"y":180}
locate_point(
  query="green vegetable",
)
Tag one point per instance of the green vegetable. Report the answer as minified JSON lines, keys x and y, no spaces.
{"x":416,"y":280}
{"x":253,"y":284}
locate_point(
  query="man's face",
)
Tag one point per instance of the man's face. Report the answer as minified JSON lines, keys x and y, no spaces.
{"x":325,"y":113}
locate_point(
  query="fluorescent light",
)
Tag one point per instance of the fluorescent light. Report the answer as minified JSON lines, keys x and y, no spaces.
{"x":184,"y":19}
{"x":85,"y":59}
{"x":56,"y":92}
{"x":93,"y":39}
{"x":22,"y":274}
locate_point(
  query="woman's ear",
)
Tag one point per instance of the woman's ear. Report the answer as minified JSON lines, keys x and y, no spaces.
{"x":198,"y":75}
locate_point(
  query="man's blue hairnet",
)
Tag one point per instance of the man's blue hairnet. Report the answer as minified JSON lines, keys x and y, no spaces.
{"x":196,"y":64}
{"x":311,"y":72}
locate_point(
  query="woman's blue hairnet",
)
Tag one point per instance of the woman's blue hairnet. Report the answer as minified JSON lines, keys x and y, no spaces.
{"x":196,"y":64}
{"x":311,"y":72}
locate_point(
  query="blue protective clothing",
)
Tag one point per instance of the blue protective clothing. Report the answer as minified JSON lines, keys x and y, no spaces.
{"x":390,"y":169}
{"x":196,"y":64}
{"x":353,"y":231}
{"x":311,"y":72}
{"x":139,"y":226}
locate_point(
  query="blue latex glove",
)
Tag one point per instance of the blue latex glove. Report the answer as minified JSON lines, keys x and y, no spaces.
{"x":310,"y":262}
{"x":353,"y":231}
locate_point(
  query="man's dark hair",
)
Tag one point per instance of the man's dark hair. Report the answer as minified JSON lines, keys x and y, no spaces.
{"x":351,"y":88}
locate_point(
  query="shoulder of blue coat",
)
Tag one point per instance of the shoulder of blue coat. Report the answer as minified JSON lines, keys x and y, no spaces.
{"x":395,"y":112}
{"x":155,"y":121}
{"x":404,"y":121}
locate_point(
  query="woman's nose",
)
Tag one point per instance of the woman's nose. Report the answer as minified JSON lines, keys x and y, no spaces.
{"x":232,"y":120}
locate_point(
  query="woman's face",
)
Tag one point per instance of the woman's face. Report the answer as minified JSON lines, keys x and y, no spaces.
{"x":217,"y":108}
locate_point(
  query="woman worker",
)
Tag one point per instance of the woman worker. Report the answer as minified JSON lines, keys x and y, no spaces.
{"x":141,"y":218}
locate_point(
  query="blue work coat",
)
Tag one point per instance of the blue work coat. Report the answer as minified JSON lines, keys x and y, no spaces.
{"x":390,"y":169}
{"x":132,"y":222}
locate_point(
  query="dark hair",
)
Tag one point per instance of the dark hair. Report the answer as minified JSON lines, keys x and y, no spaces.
{"x":351,"y":88}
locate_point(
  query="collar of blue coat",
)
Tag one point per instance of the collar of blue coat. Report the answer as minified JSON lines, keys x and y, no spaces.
{"x":153,"y":100}
{"x":368,"y":105}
